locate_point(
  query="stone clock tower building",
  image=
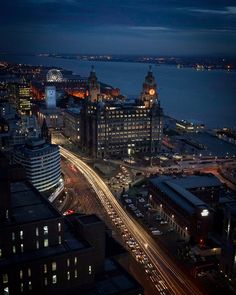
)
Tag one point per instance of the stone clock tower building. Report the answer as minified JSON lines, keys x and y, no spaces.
{"x":93,"y":86}
{"x":149,"y":93}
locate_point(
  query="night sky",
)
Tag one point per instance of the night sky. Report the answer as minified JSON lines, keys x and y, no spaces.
{"x":161,"y":27}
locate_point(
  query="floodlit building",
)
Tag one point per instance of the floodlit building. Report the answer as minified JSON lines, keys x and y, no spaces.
{"x":188,"y":213}
{"x":120,"y":128}
{"x":41,"y":162}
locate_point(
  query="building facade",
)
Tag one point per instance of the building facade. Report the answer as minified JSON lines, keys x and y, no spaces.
{"x":43,"y":252}
{"x":187,"y":213}
{"x":120,"y":128}
{"x":41,"y":162}
{"x":72,"y":124}
{"x":20,"y":95}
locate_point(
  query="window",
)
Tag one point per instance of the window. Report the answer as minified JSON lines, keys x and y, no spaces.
{"x":45,"y":230}
{"x":90,"y":269}
{"x":22,"y":287}
{"x":37,"y":231}
{"x":30,"y":285}
{"x":54,"y":266}
{"x":54,"y":279}
{"x":6,"y":290}
{"x":0,"y":252}
{"x":68,"y":262}
{"x":29,"y":272}
{"x":5,"y":278}
{"x":21,"y":274}
{"x":14,"y":249}
{"x":13,"y":236}
{"x":75,"y":260}
{"x":37,"y":244}
{"x":21,"y":234}
{"x":45,"y":270}
{"x":59,"y":226}
{"x":68,"y":275}
{"x":45,"y":281}
{"x":22,"y":247}
{"x":59,"y":239}
{"x":76,"y":273}
{"x":45,"y":242}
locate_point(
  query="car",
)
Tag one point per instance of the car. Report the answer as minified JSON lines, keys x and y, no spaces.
{"x":157,"y":233}
{"x":163,"y":222}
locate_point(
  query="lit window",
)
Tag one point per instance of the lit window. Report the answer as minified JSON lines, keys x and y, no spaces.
{"x":90,"y":269}
{"x":59,"y":226}
{"x":0,"y":252}
{"x":13,"y":236}
{"x":6,"y":290}
{"x":54,"y":266}
{"x":45,"y":281}
{"x":68,"y":275}
{"x":37,"y":244}
{"x":59,"y":239}
{"x":30,"y":285}
{"x":29,"y":272}
{"x":45,"y":242}
{"x":22,"y":247}
{"x":21,"y":234}
{"x":68,"y":262}
{"x":45,"y":230}
{"x":14,"y":249}
{"x":54,"y":279}
{"x":21,"y":274}
{"x":37,"y":231}
{"x":21,"y":287}
{"x":75,"y":260}
{"x":45,"y":270}
{"x":76,"y":273}
{"x":5,"y":278}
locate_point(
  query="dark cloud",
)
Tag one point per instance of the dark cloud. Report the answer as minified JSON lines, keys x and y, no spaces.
{"x":36,"y":25}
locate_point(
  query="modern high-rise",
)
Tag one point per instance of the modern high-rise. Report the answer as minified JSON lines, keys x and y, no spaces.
{"x":120,"y":128}
{"x":43,"y":252}
{"x":41,"y":161}
{"x":20,"y":95}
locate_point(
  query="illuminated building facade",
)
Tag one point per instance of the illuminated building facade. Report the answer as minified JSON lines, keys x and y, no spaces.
{"x":120,"y":128}
{"x":20,"y":95}
{"x":186,"y":212}
{"x":72,"y":124}
{"x":228,"y":253}
{"x":41,"y":162}
{"x":43,"y":252}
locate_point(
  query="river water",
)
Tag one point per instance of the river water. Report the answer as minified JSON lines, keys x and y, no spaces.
{"x":207,"y":97}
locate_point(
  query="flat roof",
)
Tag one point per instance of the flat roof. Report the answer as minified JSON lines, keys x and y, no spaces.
{"x":179,"y":195}
{"x":195,"y":181}
{"x":89,"y":219}
{"x":28,"y":205}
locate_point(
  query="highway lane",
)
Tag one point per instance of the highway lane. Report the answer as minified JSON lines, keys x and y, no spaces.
{"x":175,"y":280}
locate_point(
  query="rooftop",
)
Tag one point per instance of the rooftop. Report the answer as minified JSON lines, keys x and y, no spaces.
{"x":178,"y":194}
{"x":28,"y":205}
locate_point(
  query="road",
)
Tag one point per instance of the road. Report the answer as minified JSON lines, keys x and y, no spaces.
{"x":176,"y":281}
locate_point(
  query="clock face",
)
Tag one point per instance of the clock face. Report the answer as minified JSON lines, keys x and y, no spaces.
{"x":151,"y":91}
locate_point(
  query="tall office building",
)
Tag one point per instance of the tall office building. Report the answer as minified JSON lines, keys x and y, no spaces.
{"x":41,"y":162}
{"x":119,"y":128}
{"x":20,"y":95}
{"x":43,"y":252}
{"x":228,"y":253}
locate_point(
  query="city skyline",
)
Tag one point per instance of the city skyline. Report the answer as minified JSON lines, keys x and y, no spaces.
{"x":119,"y":27}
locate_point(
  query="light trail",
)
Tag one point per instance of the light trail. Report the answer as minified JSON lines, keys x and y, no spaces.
{"x":176,"y":281}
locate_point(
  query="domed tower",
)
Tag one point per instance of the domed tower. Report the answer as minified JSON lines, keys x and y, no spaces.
{"x":149,"y":92}
{"x":93,"y":86}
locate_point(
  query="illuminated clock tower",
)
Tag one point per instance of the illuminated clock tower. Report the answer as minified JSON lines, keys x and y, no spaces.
{"x":149,"y":92}
{"x":93,"y":86}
